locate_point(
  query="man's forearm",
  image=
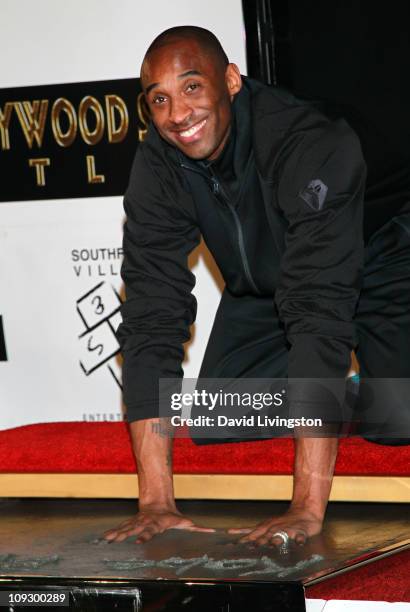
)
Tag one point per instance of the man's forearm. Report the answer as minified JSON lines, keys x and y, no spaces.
{"x":152,"y":444}
{"x":313,"y":473}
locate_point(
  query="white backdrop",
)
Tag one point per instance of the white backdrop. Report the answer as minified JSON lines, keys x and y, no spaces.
{"x":60,"y":260}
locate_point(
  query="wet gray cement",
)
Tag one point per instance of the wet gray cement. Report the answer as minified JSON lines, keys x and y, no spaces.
{"x":63,"y":538}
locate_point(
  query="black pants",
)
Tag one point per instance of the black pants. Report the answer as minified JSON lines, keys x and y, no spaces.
{"x":248,"y":341}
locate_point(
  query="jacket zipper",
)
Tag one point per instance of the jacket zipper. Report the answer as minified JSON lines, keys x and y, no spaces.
{"x":217,"y":189}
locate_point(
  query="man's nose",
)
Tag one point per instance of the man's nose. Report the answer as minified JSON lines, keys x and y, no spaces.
{"x":179,"y":111}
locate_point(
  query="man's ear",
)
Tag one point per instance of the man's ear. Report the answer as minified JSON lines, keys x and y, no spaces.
{"x":233,"y":79}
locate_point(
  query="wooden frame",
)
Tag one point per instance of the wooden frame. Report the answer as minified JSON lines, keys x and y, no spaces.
{"x":201,"y":486}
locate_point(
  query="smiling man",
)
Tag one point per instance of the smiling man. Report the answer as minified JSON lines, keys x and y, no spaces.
{"x":197,"y":120}
{"x":276,"y":190}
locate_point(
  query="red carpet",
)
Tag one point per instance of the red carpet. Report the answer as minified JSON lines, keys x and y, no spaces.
{"x":384,"y":580}
{"x":105,"y":448}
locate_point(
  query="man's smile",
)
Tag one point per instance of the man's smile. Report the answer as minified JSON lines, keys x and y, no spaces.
{"x":192,"y":133}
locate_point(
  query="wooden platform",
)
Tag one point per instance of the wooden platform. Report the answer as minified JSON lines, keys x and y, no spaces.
{"x":201,"y":486}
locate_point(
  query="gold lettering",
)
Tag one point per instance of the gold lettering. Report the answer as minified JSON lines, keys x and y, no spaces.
{"x":92,"y":176}
{"x":116,"y":133}
{"x":62,"y":105}
{"x":91,"y":137}
{"x":32,"y":117}
{"x":4,"y":125}
{"x":144,"y":116}
{"x":39,"y":165}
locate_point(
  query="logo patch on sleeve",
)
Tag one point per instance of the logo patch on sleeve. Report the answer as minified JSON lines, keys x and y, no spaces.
{"x":315,"y":194}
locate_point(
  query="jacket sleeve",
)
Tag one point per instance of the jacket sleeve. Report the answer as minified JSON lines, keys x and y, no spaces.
{"x":159,"y":306}
{"x":321,"y":196}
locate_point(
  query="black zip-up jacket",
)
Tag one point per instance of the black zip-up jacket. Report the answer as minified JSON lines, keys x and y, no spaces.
{"x":299,"y":239}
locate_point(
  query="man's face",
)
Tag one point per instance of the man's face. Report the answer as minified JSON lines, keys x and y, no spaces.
{"x":189,"y":94}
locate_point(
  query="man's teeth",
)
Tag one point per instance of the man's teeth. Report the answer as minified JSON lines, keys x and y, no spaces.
{"x":193,"y":130}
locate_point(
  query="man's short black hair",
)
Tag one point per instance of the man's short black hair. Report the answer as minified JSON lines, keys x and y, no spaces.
{"x":205,"y":39}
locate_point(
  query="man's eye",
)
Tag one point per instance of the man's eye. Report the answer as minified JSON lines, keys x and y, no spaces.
{"x":158,"y":100}
{"x":193,"y":86}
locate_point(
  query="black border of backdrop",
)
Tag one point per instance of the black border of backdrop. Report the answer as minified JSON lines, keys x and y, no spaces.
{"x":260,"y":39}
{"x":3,"y":351}
{"x":349,"y":53}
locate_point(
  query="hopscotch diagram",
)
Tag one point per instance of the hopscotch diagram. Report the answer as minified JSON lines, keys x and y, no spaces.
{"x":99,"y":310}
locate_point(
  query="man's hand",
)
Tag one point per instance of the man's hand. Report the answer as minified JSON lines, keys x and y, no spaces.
{"x":298,"y":524}
{"x":150,"y":522}
{"x":152,"y":446}
{"x":313,"y":473}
